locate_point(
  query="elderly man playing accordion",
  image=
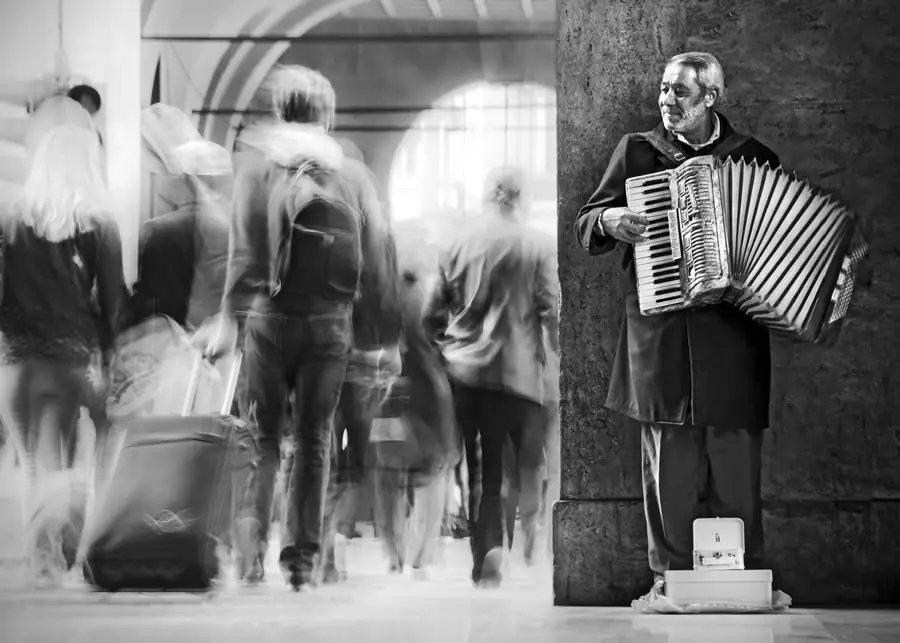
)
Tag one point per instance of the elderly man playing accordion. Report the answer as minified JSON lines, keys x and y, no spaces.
{"x":697,"y":379}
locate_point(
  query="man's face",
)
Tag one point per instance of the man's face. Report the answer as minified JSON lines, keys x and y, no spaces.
{"x":682,"y":103}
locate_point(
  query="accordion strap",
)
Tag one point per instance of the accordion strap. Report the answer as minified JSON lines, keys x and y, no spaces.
{"x":678,"y":157}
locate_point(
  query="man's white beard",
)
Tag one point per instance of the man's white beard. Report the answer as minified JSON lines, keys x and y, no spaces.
{"x":691,"y":119}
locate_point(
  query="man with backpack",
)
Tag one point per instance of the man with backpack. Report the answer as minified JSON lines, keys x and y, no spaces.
{"x":306,"y":238}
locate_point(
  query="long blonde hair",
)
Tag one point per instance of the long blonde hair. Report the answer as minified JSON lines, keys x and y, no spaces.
{"x":65,"y":183}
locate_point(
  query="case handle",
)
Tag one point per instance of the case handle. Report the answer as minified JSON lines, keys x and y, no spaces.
{"x":197,"y":368}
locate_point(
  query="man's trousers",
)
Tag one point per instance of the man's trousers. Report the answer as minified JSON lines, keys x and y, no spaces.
{"x":696,"y":472}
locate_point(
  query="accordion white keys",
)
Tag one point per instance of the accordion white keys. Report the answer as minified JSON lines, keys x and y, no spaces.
{"x":753,"y":236}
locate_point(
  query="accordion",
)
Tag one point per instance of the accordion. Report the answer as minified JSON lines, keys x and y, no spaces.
{"x":754,"y":236}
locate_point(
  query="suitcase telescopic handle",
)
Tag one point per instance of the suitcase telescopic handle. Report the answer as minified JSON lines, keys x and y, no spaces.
{"x":194,"y":383}
{"x":233,"y":375}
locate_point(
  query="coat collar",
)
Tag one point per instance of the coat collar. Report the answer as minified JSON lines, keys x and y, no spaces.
{"x":725,"y":132}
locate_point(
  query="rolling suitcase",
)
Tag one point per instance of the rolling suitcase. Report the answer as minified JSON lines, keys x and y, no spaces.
{"x":169,"y":499}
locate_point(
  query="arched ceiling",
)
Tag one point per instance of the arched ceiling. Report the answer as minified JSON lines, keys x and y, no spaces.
{"x":229,"y":73}
{"x":226,"y":16}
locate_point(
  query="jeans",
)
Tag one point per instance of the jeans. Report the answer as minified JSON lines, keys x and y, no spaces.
{"x":492,"y":416}
{"x":306,"y":351}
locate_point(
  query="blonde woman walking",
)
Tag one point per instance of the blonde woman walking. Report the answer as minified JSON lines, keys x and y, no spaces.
{"x":59,"y":246}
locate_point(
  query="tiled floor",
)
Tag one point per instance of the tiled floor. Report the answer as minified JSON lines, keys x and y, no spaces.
{"x":372,"y":607}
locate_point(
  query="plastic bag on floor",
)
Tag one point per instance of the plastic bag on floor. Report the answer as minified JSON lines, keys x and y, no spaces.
{"x":655,"y":603}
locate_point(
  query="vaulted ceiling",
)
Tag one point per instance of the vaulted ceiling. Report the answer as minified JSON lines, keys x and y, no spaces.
{"x":179,"y":11}
{"x":232,"y":61}
{"x":542,"y":10}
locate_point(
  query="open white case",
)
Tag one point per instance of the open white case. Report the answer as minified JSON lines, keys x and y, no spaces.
{"x":718,"y":543}
{"x":718,"y":577}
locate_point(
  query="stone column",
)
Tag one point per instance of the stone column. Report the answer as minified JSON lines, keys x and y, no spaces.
{"x":608,"y":60}
{"x":810,"y":79}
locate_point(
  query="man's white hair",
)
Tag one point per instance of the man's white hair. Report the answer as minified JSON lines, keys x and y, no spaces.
{"x":710,"y":75}
{"x":506,"y":189}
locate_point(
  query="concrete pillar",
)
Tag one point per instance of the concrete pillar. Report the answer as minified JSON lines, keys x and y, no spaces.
{"x":809,"y":78}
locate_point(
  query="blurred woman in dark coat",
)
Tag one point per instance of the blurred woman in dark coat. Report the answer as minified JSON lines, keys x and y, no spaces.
{"x":184,"y":251}
{"x":414,"y":434}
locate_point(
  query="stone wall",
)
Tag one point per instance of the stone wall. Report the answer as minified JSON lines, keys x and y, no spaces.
{"x":813,"y":80}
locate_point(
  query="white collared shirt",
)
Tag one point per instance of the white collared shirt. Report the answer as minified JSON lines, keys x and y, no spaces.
{"x":717,"y":131}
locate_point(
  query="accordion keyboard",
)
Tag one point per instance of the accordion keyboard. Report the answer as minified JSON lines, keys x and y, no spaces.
{"x":657,"y":258}
{"x":762,"y":240}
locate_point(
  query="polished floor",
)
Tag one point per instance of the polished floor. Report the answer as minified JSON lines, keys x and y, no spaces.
{"x":373,"y":608}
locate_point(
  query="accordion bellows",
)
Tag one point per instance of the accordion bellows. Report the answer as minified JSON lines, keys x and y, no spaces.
{"x":754,"y":236}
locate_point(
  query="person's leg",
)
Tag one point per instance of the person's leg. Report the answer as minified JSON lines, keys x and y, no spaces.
{"x":431,"y":499}
{"x":526,"y":431}
{"x":360,"y":410}
{"x":510,"y":491}
{"x":337,"y":484}
{"x":261,"y":402}
{"x":675,"y":470}
{"x":735,"y":459}
{"x":391,"y":505}
{"x":319,"y":377}
{"x":498,"y":412}
{"x":14,"y":413}
{"x":71,"y":384}
{"x":52,"y":394}
{"x":466,"y":404}
{"x":460,"y":522}
{"x":55,"y":394}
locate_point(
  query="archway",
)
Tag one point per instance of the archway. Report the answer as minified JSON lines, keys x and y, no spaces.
{"x":438,"y":173}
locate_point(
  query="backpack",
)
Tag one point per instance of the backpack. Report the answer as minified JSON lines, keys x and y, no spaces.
{"x":321,"y":250}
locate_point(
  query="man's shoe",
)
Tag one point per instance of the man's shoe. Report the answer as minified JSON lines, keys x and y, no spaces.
{"x":656,"y":592}
{"x":299,"y":579}
{"x":298,"y":569}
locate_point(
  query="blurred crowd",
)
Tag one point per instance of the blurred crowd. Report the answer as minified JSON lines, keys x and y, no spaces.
{"x":369,"y":354}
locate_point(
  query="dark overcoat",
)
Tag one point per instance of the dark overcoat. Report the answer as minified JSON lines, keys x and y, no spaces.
{"x":706,"y":366}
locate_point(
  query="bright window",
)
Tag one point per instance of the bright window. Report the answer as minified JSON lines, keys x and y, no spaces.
{"x":440,"y":167}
